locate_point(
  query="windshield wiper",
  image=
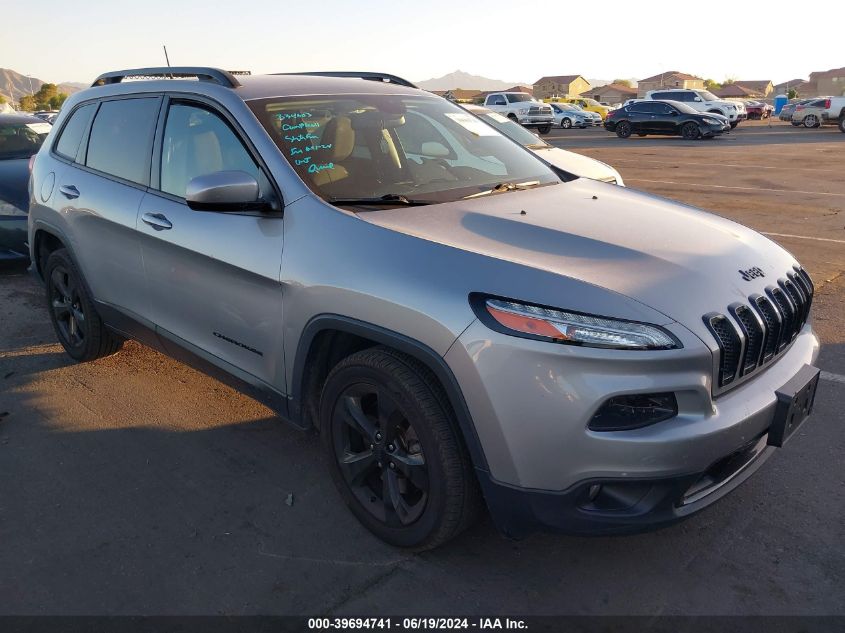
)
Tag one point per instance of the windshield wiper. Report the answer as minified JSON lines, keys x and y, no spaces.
{"x":388,"y":199}
{"x":503,"y":187}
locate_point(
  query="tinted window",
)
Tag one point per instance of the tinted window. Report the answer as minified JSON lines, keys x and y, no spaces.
{"x":518,"y":97}
{"x":646,"y":107}
{"x":496,"y":100}
{"x":818,"y":103}
{"x":22,"y":139}
{"x":680,"y":96}
{"x":121,"y":138}
{"x":74,"y":130}
{"x":663,"y":108}
{"x":661,"y":95}
{"x":198,"y":142}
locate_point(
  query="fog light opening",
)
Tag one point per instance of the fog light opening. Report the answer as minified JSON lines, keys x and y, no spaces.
{"x":634,"y":411}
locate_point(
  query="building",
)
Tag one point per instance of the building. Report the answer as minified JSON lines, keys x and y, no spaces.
{"x":828,"y":82}
{"x":760,"y":87}
{"x":611,"y":93}
{"x":669,"y":79}
{"x":738,"y":91}
{"x":560,"y":86}
{"x":803,"y":87}
{"x":528,"y":89}
{"x":460,"y":94}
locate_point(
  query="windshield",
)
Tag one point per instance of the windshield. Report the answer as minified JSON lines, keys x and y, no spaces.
{"x":511,"y":129}
{"x":591,"y":102}
{"x":22,"y":139}
{"x":518,"y":97}
{"x":707,"y":96}
{"x":683,"y":107}
{"x":375,"y":145}
{"x":565,"y":106}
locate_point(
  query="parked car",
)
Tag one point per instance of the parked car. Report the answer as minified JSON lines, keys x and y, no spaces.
{"x":47,"y":115}
{"x":21,"y":137}
{"x":821,"y":111}
{"x":522,"y":108}
{"x":568,"y":115}
{"x":702,"y":101}
{"x":580,"y":356}
{"x":570,"y":162}
{"x":666,"y":118}
{"x":789,"y":108}
{"x":586,"y":104}
{"x":758,"y":109}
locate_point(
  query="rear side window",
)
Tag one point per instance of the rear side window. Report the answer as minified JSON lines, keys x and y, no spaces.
{"x":660,"y":95}
{"x":121,"y":138}
{"x":74,"y":130}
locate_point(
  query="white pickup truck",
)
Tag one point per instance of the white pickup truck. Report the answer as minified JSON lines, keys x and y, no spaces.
{"x":522,"y":108}
{"x":703,"y":101}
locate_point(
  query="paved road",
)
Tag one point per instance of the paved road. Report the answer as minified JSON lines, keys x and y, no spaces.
{"x":135,"y":485}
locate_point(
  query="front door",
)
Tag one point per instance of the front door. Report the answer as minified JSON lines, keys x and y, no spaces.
{"x":212,"y":277}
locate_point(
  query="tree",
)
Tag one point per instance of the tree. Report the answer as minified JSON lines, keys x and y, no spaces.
{"x":728,"y":81}
{"x":57,"y":101}
{"x":28,"y":103}
{"x":711,"y":84}
{"x":792,"y":94}
{"x":2,"y":99}
{"x":623,"y":82}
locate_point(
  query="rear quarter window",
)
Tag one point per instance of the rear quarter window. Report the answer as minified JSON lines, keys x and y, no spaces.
{"x":73,"y":131}
{"x":121,"y":138}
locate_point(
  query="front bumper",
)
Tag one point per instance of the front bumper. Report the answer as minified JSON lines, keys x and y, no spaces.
{"x":531,"y":402}
{"x":535,"y":121}
{"x":714,"y":130}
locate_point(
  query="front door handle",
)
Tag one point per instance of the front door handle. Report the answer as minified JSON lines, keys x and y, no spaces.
{"x":157,"y":221}
{"x":69,"y":191}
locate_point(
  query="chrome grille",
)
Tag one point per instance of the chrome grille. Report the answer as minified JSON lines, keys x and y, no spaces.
{"x":761,"y":329}
{"x":538,"y":110}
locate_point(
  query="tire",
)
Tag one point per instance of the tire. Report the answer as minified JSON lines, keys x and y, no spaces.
{"x":796,"y":123}
{"x":690,"y":131}
{"x":811,"y":120}
{"x":512,"y":117}
{"x":409,"y":481}
{"x":623,"y":129}
{"x":842,"y":124}
{"x":75,"y":320}
{"x":641,"y":134}
{"x":566,"y":123}
{"x":733,"y":124}
{"x":544,"y":129}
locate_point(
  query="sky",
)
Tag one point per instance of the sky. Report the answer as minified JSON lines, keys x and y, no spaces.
{"x":76,"y":41}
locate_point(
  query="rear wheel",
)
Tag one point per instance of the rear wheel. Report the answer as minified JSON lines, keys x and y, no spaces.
{"x":733,"y":124}
{"x":394,"y":453}
{"x":544,"y":129}
{"x":75,"y":321}
{"x":690,"y":131}
{"x":566,"y":123}
{"x":623,"y":129}
{"x":842,"y":124}
{"x":811,"y":120}
{"x":512,"y":117}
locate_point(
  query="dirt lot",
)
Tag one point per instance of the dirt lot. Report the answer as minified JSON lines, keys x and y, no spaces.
{"x":134,"y":485}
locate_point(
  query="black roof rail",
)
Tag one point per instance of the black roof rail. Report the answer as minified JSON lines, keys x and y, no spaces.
{"x":222,"y":77}
{"x":371,"y":76}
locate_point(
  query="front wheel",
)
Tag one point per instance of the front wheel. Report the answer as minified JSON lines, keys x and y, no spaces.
{"x":394,"y":451}
{"x":811,"y":120}
{"x":75,"y":321}
{"x":566,"y":123}
{"x":690,"y":131}
{"x":544,"y":129}
{"x":623,"y":129}
{"x":733,"y":124}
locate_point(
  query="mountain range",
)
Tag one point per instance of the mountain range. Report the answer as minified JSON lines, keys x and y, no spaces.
{"x":461,"y":79}
{"x":14,"y":85}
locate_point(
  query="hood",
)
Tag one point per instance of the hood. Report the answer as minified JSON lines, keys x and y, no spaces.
{"x":579,"y":165}
{"x":678,"y":260}
{"x":14,"y":179}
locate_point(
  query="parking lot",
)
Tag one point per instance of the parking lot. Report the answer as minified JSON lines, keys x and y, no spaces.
{"x":134,"y":485}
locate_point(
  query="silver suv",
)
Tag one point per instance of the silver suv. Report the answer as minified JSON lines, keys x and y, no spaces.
{"x":460,"y":321}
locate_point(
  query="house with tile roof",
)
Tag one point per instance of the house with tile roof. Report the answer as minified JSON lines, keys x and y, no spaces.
{"x":829,"y":82}
{"x":611,"y":93}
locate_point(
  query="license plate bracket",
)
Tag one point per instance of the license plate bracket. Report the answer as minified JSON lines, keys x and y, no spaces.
{"x":794,"y":404}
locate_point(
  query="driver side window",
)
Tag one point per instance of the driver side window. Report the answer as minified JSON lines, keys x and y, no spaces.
{"x":197,"y":142}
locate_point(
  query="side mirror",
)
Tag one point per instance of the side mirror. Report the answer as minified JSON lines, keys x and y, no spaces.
{"x":673,"y":113}
{"x":698,"y":99}
{"x":224,"y":191}
{"x":434,"y":149}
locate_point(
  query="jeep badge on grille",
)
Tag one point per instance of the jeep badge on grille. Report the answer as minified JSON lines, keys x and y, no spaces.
{"x":751,"y":273}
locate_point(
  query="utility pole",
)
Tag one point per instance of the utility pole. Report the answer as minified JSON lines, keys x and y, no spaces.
{"x":31,"y":94}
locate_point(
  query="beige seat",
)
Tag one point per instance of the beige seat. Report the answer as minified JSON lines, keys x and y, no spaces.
{"x":339,"y":133}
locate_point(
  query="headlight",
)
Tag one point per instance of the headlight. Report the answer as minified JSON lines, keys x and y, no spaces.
{"x":572,"y":328}
{"x":523,"y":110}
{"x":710,"y":121}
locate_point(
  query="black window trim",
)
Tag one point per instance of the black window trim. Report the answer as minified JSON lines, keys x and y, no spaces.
{"x":218,"y":109}
{"x":54,"y":151}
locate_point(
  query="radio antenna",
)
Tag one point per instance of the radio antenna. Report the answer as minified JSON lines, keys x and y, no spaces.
{"x":166,"y":58}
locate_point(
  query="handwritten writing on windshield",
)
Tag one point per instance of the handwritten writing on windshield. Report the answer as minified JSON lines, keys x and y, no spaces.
{"x":298,"y":132}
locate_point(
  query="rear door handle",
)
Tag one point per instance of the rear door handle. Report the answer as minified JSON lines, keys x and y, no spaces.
{"x":157,"y":221}
{"x":69,"y":191}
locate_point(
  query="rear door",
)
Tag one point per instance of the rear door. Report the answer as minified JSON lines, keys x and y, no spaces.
{"x":212,"y":277}
{"x":100,"y":191}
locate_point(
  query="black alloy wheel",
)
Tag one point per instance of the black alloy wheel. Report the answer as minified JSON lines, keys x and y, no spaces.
{"x":623,"y":129}
{"x":690,"y":131}
{"x":380,"y":455}
{"x":544,"y":129}
{"x":67,"y":307}
{"x":394,"y":450}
